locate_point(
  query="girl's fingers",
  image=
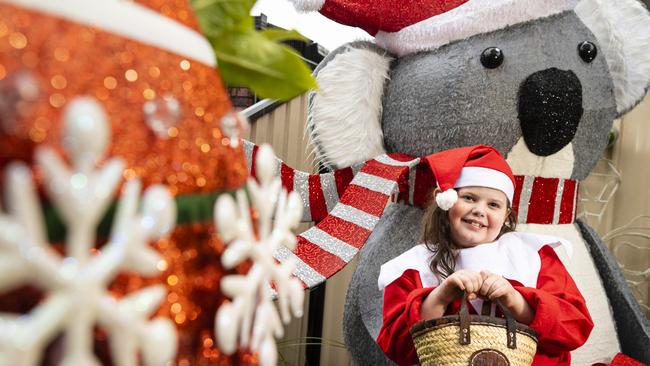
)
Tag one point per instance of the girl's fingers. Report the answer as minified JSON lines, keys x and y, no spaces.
{"x":471,"y":283}
{"x":487,"y":283}
{"x":498,"y":293}
{"x":496,"y":284}
{"x":478,"y":281}
{"x":467,"y":281}
{"x":485,"y":274}
{"x":457,"y":282}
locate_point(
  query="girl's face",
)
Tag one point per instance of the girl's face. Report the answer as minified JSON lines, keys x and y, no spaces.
{"x":478,"y":216}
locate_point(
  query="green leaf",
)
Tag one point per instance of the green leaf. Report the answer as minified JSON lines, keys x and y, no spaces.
{"x":272,"y":70}
{"x":279,"y":35}
{"x":250,"y":58}
{"x":216,"y":16}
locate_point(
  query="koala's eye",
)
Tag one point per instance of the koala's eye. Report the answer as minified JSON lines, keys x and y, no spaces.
{"x":587,"y":51}
{"x":492,"y":57}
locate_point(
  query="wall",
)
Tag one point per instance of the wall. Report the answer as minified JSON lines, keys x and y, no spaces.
{"x":283,"y":129}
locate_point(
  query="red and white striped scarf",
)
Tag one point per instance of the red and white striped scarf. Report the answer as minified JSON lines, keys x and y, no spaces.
{"x":347,"y":204}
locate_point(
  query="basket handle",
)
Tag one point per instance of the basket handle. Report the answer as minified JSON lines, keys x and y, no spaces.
{"x":463,"y":315}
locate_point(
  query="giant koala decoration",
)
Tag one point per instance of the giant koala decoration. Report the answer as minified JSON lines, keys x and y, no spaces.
{"x":542,"y":81}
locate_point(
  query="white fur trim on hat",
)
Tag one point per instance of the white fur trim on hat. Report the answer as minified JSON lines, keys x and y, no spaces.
{"x":344,"y":117}
{"x":446,"y":199}
{"x":473,"y":176}
{"x":472,"y":18}
{"x":622,"y":28}
{"x":307,"y":5}
{"x":130,"y":20}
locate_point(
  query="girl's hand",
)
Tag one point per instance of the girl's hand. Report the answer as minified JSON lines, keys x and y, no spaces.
{"x":464,"y":280}
{"x":496,"y":287}
{"x":435,"y":304}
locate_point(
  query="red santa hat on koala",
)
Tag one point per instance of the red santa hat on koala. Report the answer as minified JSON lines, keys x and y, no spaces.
{"x":404,"y":27}
{"x":472,"y":166}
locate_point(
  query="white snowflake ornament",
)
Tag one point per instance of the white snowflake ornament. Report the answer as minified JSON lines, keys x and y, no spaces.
{"x":77,"y":283}
{"x":251,"y":320}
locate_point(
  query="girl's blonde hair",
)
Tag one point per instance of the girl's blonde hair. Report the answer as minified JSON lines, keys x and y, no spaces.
{"x":436,"y":234}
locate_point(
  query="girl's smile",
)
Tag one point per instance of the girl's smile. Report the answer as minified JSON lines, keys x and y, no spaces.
{"x":474,"y":223}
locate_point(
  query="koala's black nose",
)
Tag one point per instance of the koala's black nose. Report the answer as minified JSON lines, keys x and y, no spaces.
{"x":550,"y":108}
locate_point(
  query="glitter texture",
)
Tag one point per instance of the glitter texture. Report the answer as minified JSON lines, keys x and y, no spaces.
{"x":333,"y":245}
{"x":374,"y":183}
{"x":68,"y":59}
{"x":389,"y":17}
{"x":558,"y":201}
{"x":65,"y":60}
{"x":355,"y":216}
{"x":306,"y":274}
{"x":192,"y":254}
{"x":550,"y":108}
{"x":173,"y":9}
{"x":328,"y":186}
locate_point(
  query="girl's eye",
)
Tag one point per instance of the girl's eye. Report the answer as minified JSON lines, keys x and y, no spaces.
{"x":468,"y":198}
{"x":495,"y":205}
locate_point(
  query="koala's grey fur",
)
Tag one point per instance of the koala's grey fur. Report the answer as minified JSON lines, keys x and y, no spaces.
{"x":445,"y":98}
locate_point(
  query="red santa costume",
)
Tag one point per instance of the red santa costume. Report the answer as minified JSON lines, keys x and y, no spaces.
{"x":561,"y":317}
{"x":527,"y":261}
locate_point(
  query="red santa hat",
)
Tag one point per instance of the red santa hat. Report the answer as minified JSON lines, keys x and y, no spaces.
{"x":472,"y":166}
{"x":405,"y":27}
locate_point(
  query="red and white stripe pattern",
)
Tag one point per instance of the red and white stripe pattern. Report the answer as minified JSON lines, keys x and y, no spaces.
{"x":348,"y":203}
{"x":540,"y":200}
{"x":328,"y":246}
{"x":319,"y":192}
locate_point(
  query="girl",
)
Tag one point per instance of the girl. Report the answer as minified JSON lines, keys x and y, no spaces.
{"x":470,"y":245}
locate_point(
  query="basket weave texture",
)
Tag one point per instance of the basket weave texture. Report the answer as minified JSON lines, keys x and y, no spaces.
{"x":488,"y":340}
{"x":441,"y":347}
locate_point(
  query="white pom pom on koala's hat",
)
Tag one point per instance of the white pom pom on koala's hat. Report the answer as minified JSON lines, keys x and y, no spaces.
{"x":471,"y":166}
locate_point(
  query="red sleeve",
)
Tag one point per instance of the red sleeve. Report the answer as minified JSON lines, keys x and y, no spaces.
{"x":561,"y":316}
{"x":402,"y":302}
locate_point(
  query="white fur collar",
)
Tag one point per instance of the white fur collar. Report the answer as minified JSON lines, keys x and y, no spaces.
{"x":513,"y":256}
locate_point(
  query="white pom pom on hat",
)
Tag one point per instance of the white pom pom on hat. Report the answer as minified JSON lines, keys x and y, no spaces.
{"x":471,"y":166}
{"x":447,"y":199}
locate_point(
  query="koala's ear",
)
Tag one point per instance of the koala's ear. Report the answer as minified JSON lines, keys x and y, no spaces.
{"x":622,"y":28}
{"x":344,"y":114}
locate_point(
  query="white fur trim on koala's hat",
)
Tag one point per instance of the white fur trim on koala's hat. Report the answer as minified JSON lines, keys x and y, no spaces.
{"x":472,"y":18}
{"x":446,"y":199}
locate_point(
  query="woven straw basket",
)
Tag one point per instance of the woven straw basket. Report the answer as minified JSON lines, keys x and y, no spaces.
{"x":474,"y":340}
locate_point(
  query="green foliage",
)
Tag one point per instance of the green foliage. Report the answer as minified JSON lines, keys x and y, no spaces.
{"x":253,"y":58}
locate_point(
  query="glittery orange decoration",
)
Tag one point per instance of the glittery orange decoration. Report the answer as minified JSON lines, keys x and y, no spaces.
{"x":192,"y":255}
{"x":174,"y":9}
{"x":67,"y":60}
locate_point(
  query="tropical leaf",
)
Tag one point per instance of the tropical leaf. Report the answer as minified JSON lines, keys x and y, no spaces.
{"x":250,"y":58}
{"x":279,"y":35}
